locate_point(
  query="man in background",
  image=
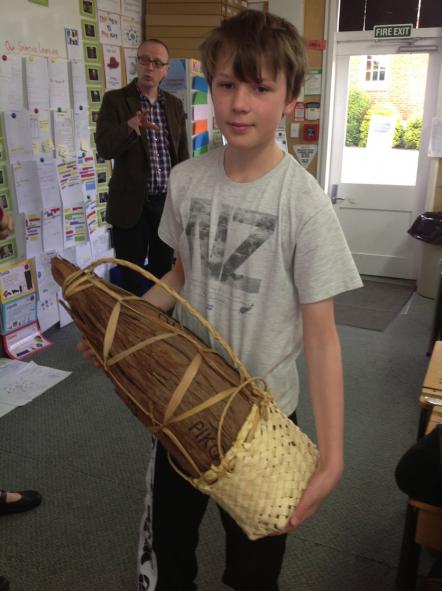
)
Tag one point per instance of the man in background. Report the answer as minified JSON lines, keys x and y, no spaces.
{"x":142,"y":128}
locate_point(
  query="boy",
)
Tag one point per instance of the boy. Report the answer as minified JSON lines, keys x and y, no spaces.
{"x":260,"y":254}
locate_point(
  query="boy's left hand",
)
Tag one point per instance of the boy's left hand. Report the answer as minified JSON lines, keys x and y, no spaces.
{"x":320,"y":486}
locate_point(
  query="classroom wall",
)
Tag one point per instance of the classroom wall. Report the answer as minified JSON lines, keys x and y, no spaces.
{"x":31,"y":29}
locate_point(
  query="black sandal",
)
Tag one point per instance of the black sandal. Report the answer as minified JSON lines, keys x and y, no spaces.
{"x":29,"y":500}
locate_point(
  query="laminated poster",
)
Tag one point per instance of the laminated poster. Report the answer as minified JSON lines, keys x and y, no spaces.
{"x":24,"y":342}
{"x":18,"y":313}
{"x":16,"y":280}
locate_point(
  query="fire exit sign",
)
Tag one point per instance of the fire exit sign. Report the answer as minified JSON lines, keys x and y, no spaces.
{"x":392,"y":31}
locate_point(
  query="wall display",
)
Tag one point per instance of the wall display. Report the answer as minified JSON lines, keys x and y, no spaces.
{"x":88,"y":8}
{"x":3,"y":176}
{"x":41,"y":129}
{"x":91,"y":52}
{"x":33,"y":234}
{"x":59,"y":95}
{"x":73,"y":43}
{"x":130,"y":58}
{"x":313,"y":83}
{"x":11,"y":83}
{"x":37,"y":82}
{"x":312,"y":111}
{"x":131,"y":34}
{"x":94,"y":74}
{"x":131,"y":8}
{"x":109,"y":25}
{"x":93,"y":116}
{"x":112,"y":66}
{"x":27,"y":186}
{"x":17,"y":127}
{"x":23,"y":342}
{"x":79,"y":91}
{"x":2,"y":150}
{"x":90,"y":30}
{"x":94,"y":96}
{"x":5,"y":200}
{"x":299,"y":112}
{"x":64,"y":135}
{"x":8,"y":250}
{"x":311,"y":132}
{"x":305,"y":153}
{"x":109,"y":5}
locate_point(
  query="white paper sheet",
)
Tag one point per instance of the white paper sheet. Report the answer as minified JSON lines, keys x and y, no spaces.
{"x":50,"y":191}
{"x":41,"y":130}
{"x":47,"y":307}
{"x":59,"y":96}
{"x":18,"y":135}
{"x":78,"y":88}
{"x":11,"y":83}
{"x":131,"y":8}
{"x":63,"y":122}
{"x":112,"y":67}
{"x":82,"y":134}
{"x":131,"y":34}
{"x":109,"y":25}
{"x":130,"y":57}
{"x":37,"y":82}
{"x":33,"y":234}
{"x":52,"y":229}
{"x":27,"y":186}
{"x":26,"y":383}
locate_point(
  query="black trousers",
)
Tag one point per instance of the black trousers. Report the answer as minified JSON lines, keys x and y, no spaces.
{"x":178,"y":509}
{"x":141,"y":241}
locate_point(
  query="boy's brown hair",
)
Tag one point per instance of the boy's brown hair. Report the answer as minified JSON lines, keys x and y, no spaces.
{"x":253,"y":38}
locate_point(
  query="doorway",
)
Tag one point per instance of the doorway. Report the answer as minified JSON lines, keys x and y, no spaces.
{"x":385,"y":97}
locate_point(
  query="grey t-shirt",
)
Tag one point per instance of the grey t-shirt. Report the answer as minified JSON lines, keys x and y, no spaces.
{"x":252,"y":252}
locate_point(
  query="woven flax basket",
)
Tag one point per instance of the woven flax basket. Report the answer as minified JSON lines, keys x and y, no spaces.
{"x":222,"y":430}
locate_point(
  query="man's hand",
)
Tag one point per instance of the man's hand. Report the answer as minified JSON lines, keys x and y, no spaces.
{"x":320,"y":486}
{"x":6,"y":224}
{"x":141,"y":121}
{"x":85,"y":348}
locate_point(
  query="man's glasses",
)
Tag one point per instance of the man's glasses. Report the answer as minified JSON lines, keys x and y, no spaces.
{"x":145,"y":61}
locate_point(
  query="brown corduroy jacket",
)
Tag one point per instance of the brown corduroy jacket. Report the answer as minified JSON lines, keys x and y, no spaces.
{"x":127,"y":186}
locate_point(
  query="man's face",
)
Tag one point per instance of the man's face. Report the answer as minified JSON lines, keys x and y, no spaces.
{"x":151,"y":73}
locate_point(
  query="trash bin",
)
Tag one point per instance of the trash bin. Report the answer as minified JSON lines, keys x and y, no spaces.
{"x":427,"y":228}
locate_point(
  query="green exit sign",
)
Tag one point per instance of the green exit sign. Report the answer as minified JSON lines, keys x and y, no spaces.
{"x":392,"y":31}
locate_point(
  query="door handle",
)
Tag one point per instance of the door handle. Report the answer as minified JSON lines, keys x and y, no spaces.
{"x":334,"y":195}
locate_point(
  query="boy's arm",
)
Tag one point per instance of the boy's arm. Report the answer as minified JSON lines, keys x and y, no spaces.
{"x":324,"y":369}
{"x":174,"y":279}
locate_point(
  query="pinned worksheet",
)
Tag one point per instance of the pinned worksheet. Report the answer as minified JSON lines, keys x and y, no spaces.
{"x":37,"y":82}
{"x":59,"y":95}
{"x":27,"y":186}
{"x":78,"y":86}
{"x":33,"y":234}
{"x":63,"y":123}
{"x":41,"y":131}
{"x":50,"y":191}
{"x":18,"y":135}
{"x":11,"y":83}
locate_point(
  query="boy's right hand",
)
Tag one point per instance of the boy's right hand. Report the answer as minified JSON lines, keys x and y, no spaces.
{"x":86,"y":350}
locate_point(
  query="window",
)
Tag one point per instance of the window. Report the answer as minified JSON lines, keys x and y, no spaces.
{"x":374,"y":72}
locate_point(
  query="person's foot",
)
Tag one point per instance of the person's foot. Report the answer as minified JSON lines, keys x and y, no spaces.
{"x":4,"y":584}
{"x":17,"y":502}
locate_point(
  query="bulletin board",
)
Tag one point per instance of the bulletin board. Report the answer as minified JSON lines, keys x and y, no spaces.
{"x":32,"y":29}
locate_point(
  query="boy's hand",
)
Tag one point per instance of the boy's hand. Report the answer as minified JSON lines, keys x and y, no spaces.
{"x":320,"y":486}
{"x":85,"y":348}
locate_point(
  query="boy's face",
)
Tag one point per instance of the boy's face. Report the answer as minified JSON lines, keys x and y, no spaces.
{"x":248,"y":113}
